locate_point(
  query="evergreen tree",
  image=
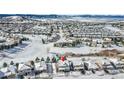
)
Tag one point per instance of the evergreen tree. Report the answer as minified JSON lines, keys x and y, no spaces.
{"x":42,"y":59}
{"x":54,"y":60}
{"x":17,"y":66}
{"x":43,"y":41}
{"x":5,"y":64}
{"x":37,"y":59}
{"x":47,"y":60}
{"x":32,"y":63}
{"x":11,"y":63}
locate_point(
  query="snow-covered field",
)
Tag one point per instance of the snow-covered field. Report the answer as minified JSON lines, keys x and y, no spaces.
{"x":27,"y":51}
{"x":82,"y":50}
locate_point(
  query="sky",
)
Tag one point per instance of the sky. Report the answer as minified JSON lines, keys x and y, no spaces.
{"x":106,"y":7}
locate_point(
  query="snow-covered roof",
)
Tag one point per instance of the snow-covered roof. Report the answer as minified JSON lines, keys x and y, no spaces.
{"x":12,"y":69}
{"x":23,"y":67}
{"x":4,"y":70}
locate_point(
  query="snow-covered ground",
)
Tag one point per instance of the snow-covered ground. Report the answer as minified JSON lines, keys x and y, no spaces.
{"x":82,"y":50}
{"x":27,"y":51}
{"x":33,"y":48}
{"x":98,"y":75}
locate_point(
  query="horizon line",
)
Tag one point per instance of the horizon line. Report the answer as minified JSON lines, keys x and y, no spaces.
{"x":67,"y":14}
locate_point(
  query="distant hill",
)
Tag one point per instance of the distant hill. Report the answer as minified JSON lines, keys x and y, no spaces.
{"x":62,"y":16}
